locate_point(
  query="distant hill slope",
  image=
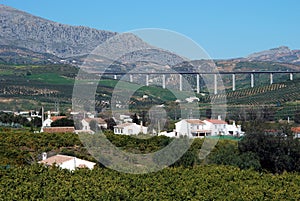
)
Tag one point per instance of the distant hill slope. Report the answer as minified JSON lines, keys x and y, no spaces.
{"x":26,"y":39}
{"x":279,"y":54}
{"x":21,"y":29}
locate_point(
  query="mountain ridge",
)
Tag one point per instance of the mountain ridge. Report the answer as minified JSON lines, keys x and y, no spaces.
{"x":22,"y":34}
{"x":21,"y":29}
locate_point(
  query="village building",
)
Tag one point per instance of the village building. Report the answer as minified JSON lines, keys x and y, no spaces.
{"x":66,"y":162}
{"x":296,"y":132}
{"x":201,"y":128}
{"x":130,"y":129}
{"x":191,"y":128}
{"x":46,"y":125}
{"x":216,"y":126}
{"x":86,"y":123}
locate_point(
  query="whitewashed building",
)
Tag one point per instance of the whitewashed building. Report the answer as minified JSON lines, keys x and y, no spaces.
{"x":66,"y":162}
{"x":235,"y":130}
{"x":86,"y":123}
{"x":208,"y":127}
{"x":216,"y":126}
{"x":130,"y":129}
{"x":192,"y":128}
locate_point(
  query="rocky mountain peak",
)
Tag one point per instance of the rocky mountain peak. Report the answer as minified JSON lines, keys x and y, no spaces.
{"x":21,"y":29}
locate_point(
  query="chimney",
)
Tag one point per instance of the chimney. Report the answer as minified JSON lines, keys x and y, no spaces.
{"x":42,"y":114}
{"x":141,"y":130}
{"x":44,"y":156}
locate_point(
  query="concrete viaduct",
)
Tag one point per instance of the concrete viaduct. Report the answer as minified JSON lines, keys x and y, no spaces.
{"x":198,"y":74}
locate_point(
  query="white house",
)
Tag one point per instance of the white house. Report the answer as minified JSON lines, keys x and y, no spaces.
{"x":130,"y":129}
{"x":47,"y":123}
{"x":216,"y":126}
{"x":208,"y":127}
{"x":86,"y":123}
{"x":66,"y":162}
{"x":235,"y":130}
{"x":192,"y":128}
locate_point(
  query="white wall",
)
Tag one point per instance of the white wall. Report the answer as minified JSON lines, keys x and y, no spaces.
{"x":75,"y":163}
{"x":131,"y":129}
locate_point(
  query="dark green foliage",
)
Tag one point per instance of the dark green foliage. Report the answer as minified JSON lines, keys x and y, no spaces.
{"x":10,"y":119}
{"x":228,"y":154}
{"x":297,"y":117}
{"x":135,"y":119}
{"x":199,"y":183}
{"x":36,"y":122}
{"x":110,"y":123}
{"x":62,"y":122}
{"x":22,"y":147}
{"x":277,"y":150}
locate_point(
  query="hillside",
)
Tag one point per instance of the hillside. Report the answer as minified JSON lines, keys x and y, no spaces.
{"x":279,"y":54}
{"x":21,"y":29}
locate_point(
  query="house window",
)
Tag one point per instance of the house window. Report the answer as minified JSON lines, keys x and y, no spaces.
{"x":215,"y":126}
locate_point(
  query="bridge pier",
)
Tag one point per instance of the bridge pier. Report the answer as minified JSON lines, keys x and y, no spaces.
{"x":271,"y":78}
{"x":147,"y":80}
{"x":233,"y":82}
{"x":131,"y":78}
{"x":215,"y":84}
{"x":180,"y":82}
{"x":252,"y":80}
{"x":291,"y":76}
{"x":164,"y":81}
{"x":198,"y":83}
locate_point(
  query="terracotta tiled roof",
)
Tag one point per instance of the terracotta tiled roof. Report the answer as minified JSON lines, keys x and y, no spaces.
{"x":195,"y":121}
{"x":58,"y":159}
{"x":296,"y":129}
{"x":54,"y":118}
{"x":216,"y":121}
{"x":59,"y":129}
{"x":98,"y":120}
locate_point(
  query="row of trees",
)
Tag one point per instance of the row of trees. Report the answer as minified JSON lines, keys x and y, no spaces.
{"x":199,"y":183}
{"x":273,"y":150}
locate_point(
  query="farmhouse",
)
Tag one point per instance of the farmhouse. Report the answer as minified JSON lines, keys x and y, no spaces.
{"x":86,"y":123}
{"x":66,"y":162}
{"x":201,"y":128}
{"x":192,"y":128}
{"x":296,"y":131}
{"x":130,"y":129}
{"x":46,"y":125}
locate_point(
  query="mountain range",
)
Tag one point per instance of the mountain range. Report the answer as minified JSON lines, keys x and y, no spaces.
{"x":25,"y":38}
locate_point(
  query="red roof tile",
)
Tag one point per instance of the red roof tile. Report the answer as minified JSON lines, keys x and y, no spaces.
{"x":54,"y":118}
{"x":296,"y":129}
{"x":216,"y":121}
{"x":195,"y":121}
{"x":59,"y":130}
{"x":58,"y":159}
{"x":98,"y":120}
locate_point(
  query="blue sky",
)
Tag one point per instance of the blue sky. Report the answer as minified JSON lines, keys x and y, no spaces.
{"x":225,"y":29}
